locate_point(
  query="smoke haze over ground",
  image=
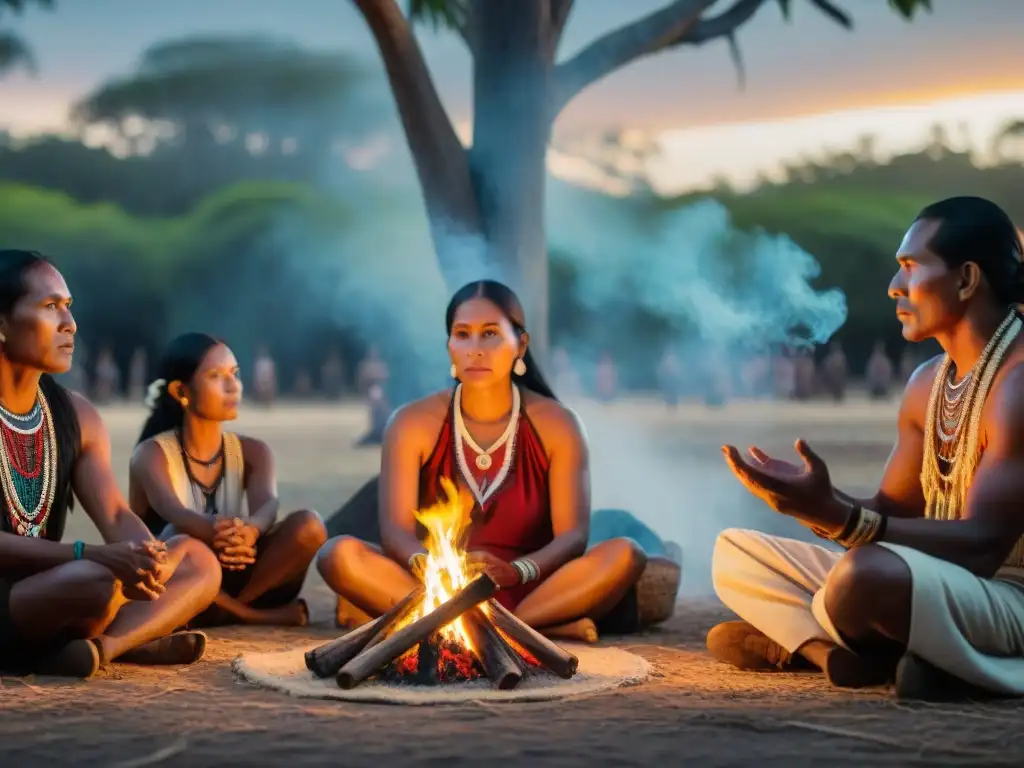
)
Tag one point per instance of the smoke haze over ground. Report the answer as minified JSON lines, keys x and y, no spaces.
{"x":380,"y":278}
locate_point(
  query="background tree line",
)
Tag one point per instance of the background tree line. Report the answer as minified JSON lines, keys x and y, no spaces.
{"x":139,"y":277}
{"x":200,"y":187}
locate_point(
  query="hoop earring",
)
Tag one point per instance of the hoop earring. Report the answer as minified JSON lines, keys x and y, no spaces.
{"x":519,"y":369}
{"x":453,"y":372}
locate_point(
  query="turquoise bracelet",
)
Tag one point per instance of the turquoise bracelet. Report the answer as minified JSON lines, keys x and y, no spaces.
{"x":79,"y":549}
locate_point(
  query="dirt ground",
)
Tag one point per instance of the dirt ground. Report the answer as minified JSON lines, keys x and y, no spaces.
{"x":691,"y":710}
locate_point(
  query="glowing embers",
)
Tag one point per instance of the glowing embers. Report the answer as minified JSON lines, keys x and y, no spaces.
{"x":448,"y":630}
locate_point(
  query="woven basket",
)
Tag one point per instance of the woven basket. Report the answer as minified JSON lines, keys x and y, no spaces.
{"x":657,"y":590}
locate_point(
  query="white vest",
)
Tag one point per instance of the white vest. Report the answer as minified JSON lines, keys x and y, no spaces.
{"x":229,"y":499}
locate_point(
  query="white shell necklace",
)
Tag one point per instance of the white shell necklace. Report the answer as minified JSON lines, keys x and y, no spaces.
{"x":482,"y":492}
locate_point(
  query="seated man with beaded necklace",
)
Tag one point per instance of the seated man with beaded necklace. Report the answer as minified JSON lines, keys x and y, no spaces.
{"x":65,"y":609}
{"x":531,"y":484}
{"x":930,"y":592}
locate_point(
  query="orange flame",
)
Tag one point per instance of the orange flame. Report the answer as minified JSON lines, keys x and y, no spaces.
{"x":446,"y":570}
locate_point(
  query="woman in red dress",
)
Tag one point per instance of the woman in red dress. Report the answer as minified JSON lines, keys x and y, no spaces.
{"x":502,"y":436}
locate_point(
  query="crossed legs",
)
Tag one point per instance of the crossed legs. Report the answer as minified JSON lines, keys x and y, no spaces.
{"x":566,"y":604}
{"x":83,"y":601}
{"x":268,"y":591}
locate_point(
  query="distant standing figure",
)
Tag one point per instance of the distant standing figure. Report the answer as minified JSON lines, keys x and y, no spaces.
{"x":303,"y":385}
{"x":332,"y":375}
{"x":670,"y":377}
{"x":783,"y":376}
{"x":108,"y":376}
{"x":879,"y":373}
{"x":372,"y":370}
{"x":835,"y":372}
{"x":566,"y":377}
{"x":607,"y":383}
{"x":380,"y":411}
{"x":265,"y":377}
{"x":137,"y":375}
{"x":371,"y":381}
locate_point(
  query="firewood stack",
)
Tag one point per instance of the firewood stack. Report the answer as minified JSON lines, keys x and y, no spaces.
{"x":505,"y":648}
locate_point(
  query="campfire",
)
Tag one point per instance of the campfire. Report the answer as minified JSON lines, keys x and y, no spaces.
{"x":447,"y":630}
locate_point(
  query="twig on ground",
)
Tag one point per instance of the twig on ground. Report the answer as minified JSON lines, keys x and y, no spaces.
{"x":172,"y":749}
{"x":25,"y":681}
{"x":889,"y":741}
{"x":849,"y":732}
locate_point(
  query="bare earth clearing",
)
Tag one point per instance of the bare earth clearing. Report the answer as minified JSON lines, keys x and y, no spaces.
{"x":662,"y":464}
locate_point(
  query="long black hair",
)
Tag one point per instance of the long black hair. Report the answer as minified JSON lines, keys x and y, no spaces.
{"x":978,"y":230}
{"x":179,"y":363}
{"x":505,"y":299}
{"x":14,"y":264}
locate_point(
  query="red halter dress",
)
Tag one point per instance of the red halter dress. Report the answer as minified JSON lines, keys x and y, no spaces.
{"x":515,"y":520}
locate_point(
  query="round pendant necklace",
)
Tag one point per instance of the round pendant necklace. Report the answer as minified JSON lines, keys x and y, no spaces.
{"x":483,"y":458}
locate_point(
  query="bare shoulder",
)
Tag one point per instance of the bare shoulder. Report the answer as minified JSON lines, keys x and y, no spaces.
{"x":145,"y":456}
{"x":914,"y":406}
{"x":90,"y":423}
{"x":254,"y":450}
{"x":419,"y":420}
{"x":923,"y":377}
{"x":557,"y":425}
{"x":88,"y":417}
{"x":1004,"y":406}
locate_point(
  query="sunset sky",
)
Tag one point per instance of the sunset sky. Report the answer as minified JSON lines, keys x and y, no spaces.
{"x":810,"y":84}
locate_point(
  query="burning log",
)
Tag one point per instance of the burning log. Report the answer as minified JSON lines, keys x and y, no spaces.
{"x":372,"y":659}
{"x":325,"y":660}
{"x":549,"y":655}
{"x":499,"y":661}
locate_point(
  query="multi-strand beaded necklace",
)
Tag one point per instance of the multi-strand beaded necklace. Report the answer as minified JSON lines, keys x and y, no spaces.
{"x":484,"y":491}
{"x":28,"y":467}
{"x":952,"y":428}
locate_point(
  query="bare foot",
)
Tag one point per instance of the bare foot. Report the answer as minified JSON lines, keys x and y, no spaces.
{"x":349,"y":616}
{"x":295,"y":614}
{"x":582,"y":630}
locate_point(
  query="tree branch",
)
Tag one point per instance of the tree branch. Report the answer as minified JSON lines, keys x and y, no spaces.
{"x":442,"y":163}
{"x":678,"y":23}
{"x":560,"y":10}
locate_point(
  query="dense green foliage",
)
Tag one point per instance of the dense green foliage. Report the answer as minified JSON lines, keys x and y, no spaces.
{"x":223,"y":266}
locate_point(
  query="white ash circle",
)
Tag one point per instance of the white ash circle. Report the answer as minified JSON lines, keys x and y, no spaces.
{"x":600,"y":669}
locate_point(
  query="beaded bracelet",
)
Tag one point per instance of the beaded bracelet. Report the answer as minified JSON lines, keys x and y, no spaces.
{"x":527,"y":569}
{"x":864,"y":526}
{"x":414,"y":558}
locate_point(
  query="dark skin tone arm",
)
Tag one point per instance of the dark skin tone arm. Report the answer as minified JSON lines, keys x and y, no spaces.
{"x":797,"y":491}
{"x":131,"y":553}
{"x":260,"y":484}
{"x":149,"y":469}
{"x":408,"y":437}
{"x":94,"y":484}
{"x":899,"y":494}
{"x":992,"y":521}
{"x":235,"y":539}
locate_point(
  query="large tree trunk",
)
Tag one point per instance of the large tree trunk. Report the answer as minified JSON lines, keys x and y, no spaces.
{"x":511,"y":77}
{"x":439,"y":156}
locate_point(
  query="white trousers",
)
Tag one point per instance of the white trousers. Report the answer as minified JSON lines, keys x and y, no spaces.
{"x":966,"y":625}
